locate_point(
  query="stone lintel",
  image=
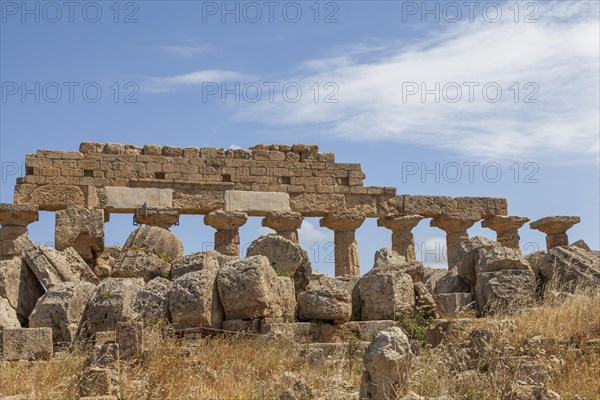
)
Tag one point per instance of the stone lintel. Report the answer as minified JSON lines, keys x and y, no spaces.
{"x":503,"y":223}
{"x":342,"y":221}
{"x":554,"y":224}
{"x":225,"y":220}
{"x":18,"y":214}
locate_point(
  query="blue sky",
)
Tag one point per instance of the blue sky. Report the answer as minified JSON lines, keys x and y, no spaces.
{"x":400,"y":87}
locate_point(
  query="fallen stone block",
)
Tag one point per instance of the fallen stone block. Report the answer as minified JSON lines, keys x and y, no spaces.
{"x":130,"y":337}
{"x":51,"y":266}
{"x":134,"y":263}
{"x":194,"y":301}
{"x":249,"y":288}
{"x":325,"y":332}
{"x":26,"y":344}
{"x":8,"y":316}
{"x":386,"y":293}
{"x":82,"y":229}
{"x":326,"y":300}
{"x":197,"y":262}
{"x":61,"y":309}
{"x":151,"y":303}
{"x":20,"y":287}
{"x":571,"y":266}
{"x":507,"y":290}
{"x":241,"y":325}
{"x":450,"y":304}
{"x":286,"y":257}
{"x":112,"y":302}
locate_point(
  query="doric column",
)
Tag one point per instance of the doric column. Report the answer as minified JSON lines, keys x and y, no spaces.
{"x":344,"y":226}
{"x":456,"y":231}
{"x":14,"y":219}
{"x":506,"y":228}
{"x":285,"y":223}
{"x":227,"y":224}
{"x":555,"y":228}
{"x":156,"y":217}
{"x":403,"y":241}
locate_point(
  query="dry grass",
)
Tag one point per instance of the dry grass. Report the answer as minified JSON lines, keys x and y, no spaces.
{"x":241,"y":367}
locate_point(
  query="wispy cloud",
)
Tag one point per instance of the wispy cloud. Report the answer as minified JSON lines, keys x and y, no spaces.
{"x":555,"y":61}
{"x":196,"y":78}
{"x":184,"y":51}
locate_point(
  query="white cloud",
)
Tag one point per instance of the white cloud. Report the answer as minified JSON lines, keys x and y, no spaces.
{"x":308,"y":234}
{"x":184,"y":51}
{"x":560,"y":55}
{"x":197,"y":78}
{"x":234,"y":147}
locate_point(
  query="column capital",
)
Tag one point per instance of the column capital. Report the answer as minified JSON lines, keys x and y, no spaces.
{"x":225,"y":220}
{"x":18,"y":214}
{"x":399,"y":223}
{"x":451,"y":224}
{"x":341,"y":221}
{"x":156,"y":217}
{"x":554,"y":224}
{"x":503,"y":223}
{"x":282,"y":220}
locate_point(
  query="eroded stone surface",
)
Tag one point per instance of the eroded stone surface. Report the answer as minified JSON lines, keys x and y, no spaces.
{"x":386,"y":293}
{"x":26,"y":344}
{"x":151,"y":303}
{"x":8,"y":316}
{"x":325,"y":300}
{"x":82,"y":229}
{"x":20,"y":287}
{"x":571,"y":266}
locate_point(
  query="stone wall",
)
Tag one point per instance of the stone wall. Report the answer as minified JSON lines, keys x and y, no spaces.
{"x":119,"y":178}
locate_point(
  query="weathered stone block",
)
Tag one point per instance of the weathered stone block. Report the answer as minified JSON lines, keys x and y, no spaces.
{"x":256,"y":202}
{"x":20,"y":287}
{"x":112,"y":302}
{"x":194,"y":300}
{"x":386,"y":293}
{"x":151,"y":303}
{"x":95,"y":382}
{"x":249,"y":289}
{"x":8,"y":316}
{"x":140,"y":264}
{"x":61,"y":309}
{"x":130,"y":337}
{"x":26,"y":344}
{"x":81,"y":228}
{"x":450,"y":304}
{"x":198,"y":262}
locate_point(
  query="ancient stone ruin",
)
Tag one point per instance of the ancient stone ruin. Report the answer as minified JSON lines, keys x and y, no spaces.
{"x":84,"y":291}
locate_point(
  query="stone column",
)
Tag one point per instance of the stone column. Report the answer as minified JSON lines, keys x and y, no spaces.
{"x":456,"y":231}
{"x":344,"y":226}
{"x":285,"y":223}
{"x":403,"y":241}
{"x":227,"y":224}
{"x":156,"y":217}
{"x":506,"y":228}
{"x":555,"y":228}
{"x":14,"y":219}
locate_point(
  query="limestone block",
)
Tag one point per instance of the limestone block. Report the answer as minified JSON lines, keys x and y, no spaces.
{"x":325,"y":332}
{"x":505,"y":290}
{"x":18,"y":214}
{"x":466,"y":257}
{"x":51,"y":266}
{"x":249,"y":289}
{"x":388,"y":258}
{"x":450,"y":304}
{"x":26,"y":344}
{"x":61,"y":309}
{"x":481,"y":207}
{"x":106,"y":261}
{"x":286,"y":257}
{"x":19,"y":286}
{"x":129,"y":198}
{"x":240,"y":325}
{"x":130,"y":337}
{"x":386,"y":294}
{"x":198,"y":262}
{"x":112,"y":302}
{"x":198,"y":201}
{"x":324,"y":300}
{"x":81,"y":228}
{"x":287,"y":296}
{"x":194,"y":300}
{"x":451,"y":282}
{"x":51,"y":197}
{"x":499,"y":258}
{"x":387,"y":361}
{"x":8,"y":316}
{"x":140,"y":264}
{"x":151,"y":302}
{"x":571,"y":266}
{"x":427,"y":206}
{"x":425,"y":303}
{"x":157,"y":240}
{"x":156,"y":217}
{"x":316,"y":205}
{"x":256,"y":202}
